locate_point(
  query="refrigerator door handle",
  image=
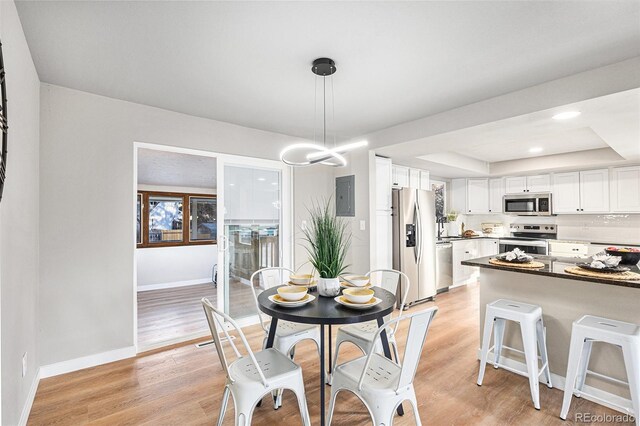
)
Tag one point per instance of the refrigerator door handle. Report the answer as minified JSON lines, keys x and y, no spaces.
{"x":418,"y":232}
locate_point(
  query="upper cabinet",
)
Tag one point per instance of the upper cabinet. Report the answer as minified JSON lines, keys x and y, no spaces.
{"x":383,"y":183}
{"x":520,"y":184}
{"x":515,"y":184}
{"x":400,"y":176}
{"x":414,"y":178}
{"x":425,"y":181}
{"x":459,"y":195}
{"x":594,"y":191}
{"x":566,"y":192}
{"x":581,"y":192}
{"x":539,"y":183}
{"x":625,"y":189}
{"x":496,"y":192}
{"x":477,"y":196}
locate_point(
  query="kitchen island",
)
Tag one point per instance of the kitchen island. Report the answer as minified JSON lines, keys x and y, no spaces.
{"x":564,"y":298}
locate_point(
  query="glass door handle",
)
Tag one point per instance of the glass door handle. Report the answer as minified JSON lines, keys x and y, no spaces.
{"x":225,"y":243}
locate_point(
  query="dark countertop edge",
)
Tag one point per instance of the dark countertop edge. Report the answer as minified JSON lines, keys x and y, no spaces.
{"x":547,"y":273}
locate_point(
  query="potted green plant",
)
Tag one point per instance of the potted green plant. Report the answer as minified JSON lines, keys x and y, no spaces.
{"x":328,"y":241}
{"x":453,"y":229}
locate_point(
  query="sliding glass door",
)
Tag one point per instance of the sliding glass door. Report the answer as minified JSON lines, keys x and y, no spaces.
{"x":255,"y":228}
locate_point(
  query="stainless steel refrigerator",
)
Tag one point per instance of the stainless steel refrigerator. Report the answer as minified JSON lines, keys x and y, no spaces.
{"x":414,"y":241}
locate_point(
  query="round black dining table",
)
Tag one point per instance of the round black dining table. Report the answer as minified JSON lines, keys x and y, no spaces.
{"x":325,"y":311}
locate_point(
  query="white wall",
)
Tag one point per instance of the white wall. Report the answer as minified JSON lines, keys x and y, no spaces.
{"x":87,"y":241}
{"x":19,"y":231}
{"x":164,"y":267}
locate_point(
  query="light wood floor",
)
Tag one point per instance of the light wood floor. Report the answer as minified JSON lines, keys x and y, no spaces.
{"x":182,"y":385}
{"x":173,"y":314}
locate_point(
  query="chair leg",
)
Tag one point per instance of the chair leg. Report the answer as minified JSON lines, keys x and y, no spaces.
{"x":334,"y":362}
{"x":332,"y":405}
{"x":498,"y":337}
{"x":583,"y":366}
{"x":529,"y":341}
{"x":575,"y":353}
{"x":302,"y":402}
{"x":244,"y":413}
{"x":542,"y":347}
{"x":223,"y":405}
{"x":486,"y":340}
{"x":414,"y":403}
{"x":631,"y":353}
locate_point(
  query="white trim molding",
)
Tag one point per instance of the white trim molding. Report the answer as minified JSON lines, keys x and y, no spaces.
{"x":86,"y":362}
{"x":26,"y":409}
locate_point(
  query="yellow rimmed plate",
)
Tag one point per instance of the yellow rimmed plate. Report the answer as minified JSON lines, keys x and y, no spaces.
{"x":370,"y":304}
{"x":345,"y":284}
{"x":287,"y":304}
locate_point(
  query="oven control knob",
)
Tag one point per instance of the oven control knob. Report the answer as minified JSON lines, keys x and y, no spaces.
{"x":546,"y":227}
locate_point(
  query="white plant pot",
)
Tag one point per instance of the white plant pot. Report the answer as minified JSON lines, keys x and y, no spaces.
{"x":328,"y":287}
{"x":453,"y":229}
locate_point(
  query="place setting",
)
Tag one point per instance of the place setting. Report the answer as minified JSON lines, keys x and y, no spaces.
{"x":607,"y":266}
{"x":516,"y":258}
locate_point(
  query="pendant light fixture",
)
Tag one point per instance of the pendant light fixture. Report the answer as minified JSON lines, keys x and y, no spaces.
{"x":307,"y":153}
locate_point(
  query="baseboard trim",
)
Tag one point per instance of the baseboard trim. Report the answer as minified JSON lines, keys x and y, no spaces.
{"x":86,"y":362}
{"x":26,"y":409}
{"x":173,"y":284}
{"x":559,"y":383}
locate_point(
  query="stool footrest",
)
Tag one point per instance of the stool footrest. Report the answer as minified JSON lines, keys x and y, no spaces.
{"x":595,"y":398}
{"x":608,"y":378}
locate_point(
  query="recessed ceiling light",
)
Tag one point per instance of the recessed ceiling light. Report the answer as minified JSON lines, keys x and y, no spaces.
{"x":535,"y":149}
{"x":261,"y":179}
{"x":232,"y":184}
{"x":566,"y":115}
{"x":274,"y":183}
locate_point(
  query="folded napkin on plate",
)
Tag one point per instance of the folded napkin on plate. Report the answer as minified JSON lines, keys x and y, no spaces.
{"x":517,"y":254}
{"x":603,"y":260}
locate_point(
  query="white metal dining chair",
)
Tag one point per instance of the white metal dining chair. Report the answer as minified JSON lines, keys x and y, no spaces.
{"x":288,"y":334}
{"x":380,"y":383}
{"x":362,"y":334}
{"x":250,"y":377}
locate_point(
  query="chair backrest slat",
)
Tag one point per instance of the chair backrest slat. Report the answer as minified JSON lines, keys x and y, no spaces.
{"x":212,"y":314}
{"x":271,"y":277}
{"x":389,"y":279}
{"x":416,"y":336}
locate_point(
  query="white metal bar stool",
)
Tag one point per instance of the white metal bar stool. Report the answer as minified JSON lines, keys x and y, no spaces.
{"x":532,"y":328}
{"x":584,"y":332}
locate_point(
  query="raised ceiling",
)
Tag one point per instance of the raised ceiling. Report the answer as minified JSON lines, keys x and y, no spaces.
{"x":249,"y":62}
{"x":166,"y":168}
{"x":609,"y":124}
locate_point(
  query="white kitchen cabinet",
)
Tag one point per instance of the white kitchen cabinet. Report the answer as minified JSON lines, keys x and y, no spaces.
{"x":464,"y":250}
{"x":496,"y":192}
{"x":400,"y":176}
{"x":459,"y":195}
{"x":487,"y":247}
{"x":625,"y":189}
{"x":383,"y":183}
{"x":594,"y":191}
{"x":477,"y":196}
{"x":515,"y":184}
{"x":425,"y":181}
{"x":566,"y":192}
{"x":535,"y":183}
{"x":539,"y":183}
{"x":414,"y":178}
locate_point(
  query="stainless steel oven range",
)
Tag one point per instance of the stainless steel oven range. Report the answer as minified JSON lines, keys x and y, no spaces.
{"x":529,"y":238}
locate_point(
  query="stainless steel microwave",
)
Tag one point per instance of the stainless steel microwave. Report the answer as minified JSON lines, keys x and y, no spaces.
{"x":529,"y":204}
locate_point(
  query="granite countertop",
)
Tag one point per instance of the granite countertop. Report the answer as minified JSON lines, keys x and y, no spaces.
{"x":554,"y":267}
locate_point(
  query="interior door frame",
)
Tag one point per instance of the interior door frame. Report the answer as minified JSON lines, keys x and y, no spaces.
{"x":286,"y":214}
